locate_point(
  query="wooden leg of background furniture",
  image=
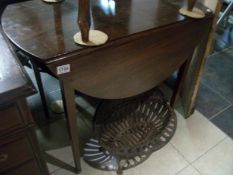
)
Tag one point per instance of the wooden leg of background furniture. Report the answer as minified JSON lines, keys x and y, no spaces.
{"x":68,"y":94}
{"x":41,"y":89}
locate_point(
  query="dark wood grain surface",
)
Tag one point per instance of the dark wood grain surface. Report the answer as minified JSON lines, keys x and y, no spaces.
{"x":33,"y":25}
{"x":148,"y":41}
{"x":126,"y":69}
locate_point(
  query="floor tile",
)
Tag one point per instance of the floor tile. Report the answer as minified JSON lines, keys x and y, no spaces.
{"x":220,"y":45}
{"x":209,"y":102}
{"x":36,"y":108}
{"x":35,"y":103}
{"x":86,"y":170}
{"x":54,"y":141}
{"x":217,"y":73}
{"x":30,"y":72}
{"x":229,"y":51}
{"x":195,"y":136}
{"x":62,"y":154}
{"x":166,"y":161}
{"x":55,"y":135}
{"x":218,"y":161}
{"x":85,"y":106}
{"x":189,"y":171}
{"x":52,"y":167}
{"x":225,"y":121}
{"x":50,"y":83}
{"x":40,"y":120}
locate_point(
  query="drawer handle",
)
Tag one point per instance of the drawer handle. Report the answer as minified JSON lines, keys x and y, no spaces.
{"x":3,"y":157}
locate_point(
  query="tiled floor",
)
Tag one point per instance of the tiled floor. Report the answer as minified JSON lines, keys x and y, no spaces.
{"x":198,"y":148}
{"x":215,"y":98}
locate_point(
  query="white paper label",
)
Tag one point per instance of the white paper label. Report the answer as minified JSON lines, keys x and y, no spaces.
{"x":63,"y":69}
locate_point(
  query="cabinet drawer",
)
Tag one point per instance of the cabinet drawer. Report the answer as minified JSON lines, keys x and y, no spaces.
{"x":10,"y":118}
{"x":14,"y":153}
{"x":30,"y":168}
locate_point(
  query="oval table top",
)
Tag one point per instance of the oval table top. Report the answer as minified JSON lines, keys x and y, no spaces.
{"x":46,"y":30}
{"x":148,"y":41}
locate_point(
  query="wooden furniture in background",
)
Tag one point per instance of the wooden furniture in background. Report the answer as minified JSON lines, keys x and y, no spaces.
{"x":192,"y":80}
{"x":19,"y":151}
{"x":148,"y":41}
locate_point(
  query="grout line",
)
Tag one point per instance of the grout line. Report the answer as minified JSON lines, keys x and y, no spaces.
{"x":203,"y":153}
{"x":192,"y":164}
{"x":180,"y":153}
{"x":56,"y":169}
{"x":223,"y":110}
{"x":189,"y":164}
{"x":216,"y":92}
{"x":196,"y":169}
{"x":187,"y":167}
{"x":60,"y":168}
{"x":209,"y":150}
{"x":183,"y":169}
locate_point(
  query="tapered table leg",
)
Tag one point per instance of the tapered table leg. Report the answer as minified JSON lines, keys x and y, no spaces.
{"x":68,"y":95}
{"x":41,"y":89}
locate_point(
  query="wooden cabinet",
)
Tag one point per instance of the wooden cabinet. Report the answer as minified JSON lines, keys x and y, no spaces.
{"x":15,"y":152}
{"x":10,"y":118}
{"x":19,"y":150}
{"x":29,"y":168}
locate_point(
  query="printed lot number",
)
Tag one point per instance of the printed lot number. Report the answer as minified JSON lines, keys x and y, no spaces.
{"x":63,"y":69}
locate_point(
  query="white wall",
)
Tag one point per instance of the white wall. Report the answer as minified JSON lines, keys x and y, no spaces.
{"x":210,"y":3}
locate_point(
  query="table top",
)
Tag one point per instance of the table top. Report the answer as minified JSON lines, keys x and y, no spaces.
{"x":148,"y":41}
{"x":46,"y":31}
